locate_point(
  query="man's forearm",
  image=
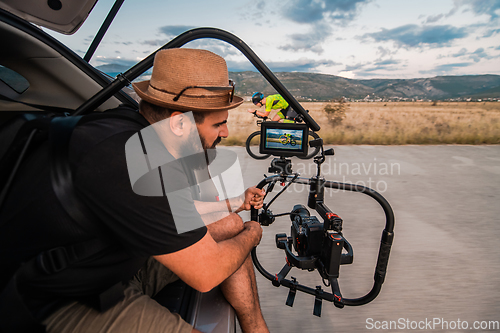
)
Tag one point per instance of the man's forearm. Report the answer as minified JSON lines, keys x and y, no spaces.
{"x":225,"y":228}
{"x":228,"y":205}
{"x":207,"y":263}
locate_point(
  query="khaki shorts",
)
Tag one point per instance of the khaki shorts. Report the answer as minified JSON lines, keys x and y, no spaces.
{"x":137,"y":312}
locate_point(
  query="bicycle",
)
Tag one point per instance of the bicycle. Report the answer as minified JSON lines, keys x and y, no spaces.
{"x":252,"y":143}
{"x":287,"y":139}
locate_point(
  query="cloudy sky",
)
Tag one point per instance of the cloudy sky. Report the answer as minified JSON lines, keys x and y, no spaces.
{"x":359,"y":39}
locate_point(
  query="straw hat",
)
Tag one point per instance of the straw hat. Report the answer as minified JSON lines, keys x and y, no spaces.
{"x":189,"y":80}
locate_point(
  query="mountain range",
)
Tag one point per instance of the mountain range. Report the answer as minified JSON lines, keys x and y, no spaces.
{"x":324,"y":87}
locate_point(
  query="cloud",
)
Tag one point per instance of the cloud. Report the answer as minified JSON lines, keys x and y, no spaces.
{"x":216,"y":46}
{"x":310,"y":41}
{"x":363,"y":69}
{"x":482,"y":7}
{"x":479,"y":54}
{"x":446,"y":68}
{"x":307,"y":11}
{"x":256,"y":8}
{"x":252,"y":10}
{"x":102,"y":60}
{"x":491,"y":32}
{"x":318,"y":13}
{"x":476,"y":56}
{"x":300,"y":65}
{"x":175,"y":30}
{"x":155,"y":42}
{"x":462,"y":52}
{"x":385,"y":51}
{"x":412,"y":35}
{"x":353,"y":68}
{"x":435,"y":18}
{"x":170,"y":31}
{"x":388,"y":62}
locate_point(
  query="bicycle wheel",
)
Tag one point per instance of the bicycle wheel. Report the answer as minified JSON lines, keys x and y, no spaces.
{"x":312,"y":152}
{"x":283,"y":139}
{"x":252,"y":146}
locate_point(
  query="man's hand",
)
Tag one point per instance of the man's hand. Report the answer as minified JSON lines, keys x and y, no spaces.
{"x":253,"y":197}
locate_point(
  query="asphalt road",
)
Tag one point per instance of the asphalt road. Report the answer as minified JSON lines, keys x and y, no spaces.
{"x":443,"y":272}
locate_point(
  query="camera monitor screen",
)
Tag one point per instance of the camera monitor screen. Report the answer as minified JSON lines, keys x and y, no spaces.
{"x":284,"y":139}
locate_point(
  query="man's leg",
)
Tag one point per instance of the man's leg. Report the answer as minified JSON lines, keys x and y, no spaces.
{"x":240,"y":289}
{"x":137,"y":312}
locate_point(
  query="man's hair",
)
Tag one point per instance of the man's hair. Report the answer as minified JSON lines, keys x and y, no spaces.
{"x":158,"y":113}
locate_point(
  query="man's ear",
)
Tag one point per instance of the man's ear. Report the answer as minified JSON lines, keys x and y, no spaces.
{"x":177,"y":123}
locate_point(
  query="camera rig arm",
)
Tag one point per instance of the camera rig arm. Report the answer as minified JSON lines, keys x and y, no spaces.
{"x":335,"y":297}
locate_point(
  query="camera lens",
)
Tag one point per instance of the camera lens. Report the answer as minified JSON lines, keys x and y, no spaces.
{"x":299,"y":212}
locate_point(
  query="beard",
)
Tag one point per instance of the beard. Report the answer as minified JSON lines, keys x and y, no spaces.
{"x":210,"y":152}
{"x":195,"y":158}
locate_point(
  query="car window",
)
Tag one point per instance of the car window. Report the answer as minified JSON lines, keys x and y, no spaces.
{"x":13,"y":79}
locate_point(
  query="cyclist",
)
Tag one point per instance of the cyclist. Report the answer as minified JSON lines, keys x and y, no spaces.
{"x":287,"y":139}
{"x":273,"y":102}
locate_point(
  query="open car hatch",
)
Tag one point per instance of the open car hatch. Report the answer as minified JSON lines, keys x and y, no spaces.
{"x":64,"y":16}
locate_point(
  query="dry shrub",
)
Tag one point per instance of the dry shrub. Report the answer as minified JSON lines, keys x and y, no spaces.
{"x":335,"y":113}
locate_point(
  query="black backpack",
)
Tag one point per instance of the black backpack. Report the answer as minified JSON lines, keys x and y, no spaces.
{"x":20,"y":136}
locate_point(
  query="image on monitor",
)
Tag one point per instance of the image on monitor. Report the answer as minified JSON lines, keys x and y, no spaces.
{"x":284,"y":139}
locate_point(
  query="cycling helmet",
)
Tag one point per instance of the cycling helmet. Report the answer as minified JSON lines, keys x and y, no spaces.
{"x":257,"y":97}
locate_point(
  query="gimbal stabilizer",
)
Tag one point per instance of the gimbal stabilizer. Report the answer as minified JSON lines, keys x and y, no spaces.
{"x":319,"y":245}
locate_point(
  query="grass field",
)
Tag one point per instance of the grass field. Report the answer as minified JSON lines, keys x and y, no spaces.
{"x":392,"y":123}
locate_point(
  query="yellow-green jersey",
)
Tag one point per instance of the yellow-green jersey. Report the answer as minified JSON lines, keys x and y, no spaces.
{"x":275,"y":102}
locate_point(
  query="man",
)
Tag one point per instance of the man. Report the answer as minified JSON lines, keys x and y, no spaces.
{"x":273,"y":102}
{"x":142,"y":230}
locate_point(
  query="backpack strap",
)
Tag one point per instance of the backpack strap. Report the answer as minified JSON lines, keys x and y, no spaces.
{"x":61,"y":129}
{"x":16,"y":316}
{"x":122,"y":112}
{"x":61,"y":177}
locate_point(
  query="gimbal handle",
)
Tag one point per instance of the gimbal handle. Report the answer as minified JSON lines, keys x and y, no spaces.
{"x":384,"y":250}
